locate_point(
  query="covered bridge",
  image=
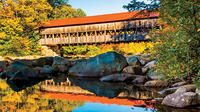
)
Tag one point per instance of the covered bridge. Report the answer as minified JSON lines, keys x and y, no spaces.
{"x":118,"y":27}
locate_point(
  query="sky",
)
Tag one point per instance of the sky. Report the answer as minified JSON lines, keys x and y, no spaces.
{"x":99,"y":7}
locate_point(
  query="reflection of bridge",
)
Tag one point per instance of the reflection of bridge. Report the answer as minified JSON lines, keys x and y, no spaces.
{"x":68,"y":87}
{"x":119,"y":27}
{"x":64,"y":87}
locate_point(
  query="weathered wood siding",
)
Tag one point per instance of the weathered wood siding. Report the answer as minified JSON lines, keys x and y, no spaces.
{"x":92,"y":39}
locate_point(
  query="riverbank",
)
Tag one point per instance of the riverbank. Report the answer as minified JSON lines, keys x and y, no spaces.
{"x":107,"y":67}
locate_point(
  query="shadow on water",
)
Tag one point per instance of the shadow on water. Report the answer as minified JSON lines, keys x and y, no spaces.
{"x":21,"y":85}
{"x":104,"y":89}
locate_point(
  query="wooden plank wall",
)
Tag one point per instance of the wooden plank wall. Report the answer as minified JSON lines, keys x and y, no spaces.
{"x":92,"y":39}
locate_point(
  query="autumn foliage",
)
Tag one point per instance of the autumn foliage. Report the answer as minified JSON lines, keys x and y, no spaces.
{"x":20,"y":21}
{"x":96,"y":49}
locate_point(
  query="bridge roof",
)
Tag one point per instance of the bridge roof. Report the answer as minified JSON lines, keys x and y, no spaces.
{"x":98,"y":19}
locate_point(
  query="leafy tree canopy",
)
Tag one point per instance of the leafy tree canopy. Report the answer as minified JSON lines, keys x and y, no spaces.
{"x":178,"y":51}
{"x":62,"y":10}
{"x":55,"y":3}
{"x":142,"y":5}
{"x":19,"y":21}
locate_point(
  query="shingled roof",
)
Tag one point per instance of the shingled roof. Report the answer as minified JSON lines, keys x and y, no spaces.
{"x":98,"y":19}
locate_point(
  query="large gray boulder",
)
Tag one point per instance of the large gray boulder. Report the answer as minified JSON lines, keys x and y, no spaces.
{"x":101,"y":65}
{"x":181,"y":99}
{"x":116,"y":77}
{"x":61,"y":64}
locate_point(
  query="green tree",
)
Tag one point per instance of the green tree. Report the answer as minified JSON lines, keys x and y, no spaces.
{"x":178,"y":50}
{"x":55,"y":3}
{"x":65,"y":11}
{"x":80,"y":13}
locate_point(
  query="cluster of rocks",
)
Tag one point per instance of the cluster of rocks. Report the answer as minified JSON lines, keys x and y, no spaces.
{"x":108,"y":67}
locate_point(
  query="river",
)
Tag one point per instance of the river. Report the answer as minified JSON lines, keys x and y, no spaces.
{"x":69,"y":94}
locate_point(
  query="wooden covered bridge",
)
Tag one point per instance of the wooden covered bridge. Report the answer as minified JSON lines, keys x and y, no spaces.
{"x":118,"y":27}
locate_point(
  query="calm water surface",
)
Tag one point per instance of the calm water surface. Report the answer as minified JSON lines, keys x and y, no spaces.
{"x":67,"y":94}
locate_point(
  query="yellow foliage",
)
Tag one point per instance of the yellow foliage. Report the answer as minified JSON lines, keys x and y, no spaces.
{"x":3,"y":85}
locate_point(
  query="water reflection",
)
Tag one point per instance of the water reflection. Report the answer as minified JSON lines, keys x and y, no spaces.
{"x":79,"y":95}
{"x":93,"y":86}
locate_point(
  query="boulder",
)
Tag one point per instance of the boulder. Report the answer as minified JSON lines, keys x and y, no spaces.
{"x":150,"y":65}
{"x":178,"y":84}
{"x":43,"y":61}
{"x":26,"y":62}
{"x":133,"y":60}
{"x":135,"y":70}
{"x":46,"y":70}
{"x":19,"y":76}
{"x":140,"y":80}
{"x":17,"y":66}
{"x":76,"y":62}
{"x":61,"y":64}
{"x":168,"y":90}
{"x":186,"y":88}
{"x":181,"y":100}
{"x":116,"y":78}
{"x":144,"y":59}
{"x":3,"y":65}
{"x":155,"y":83}
{"x":101,"y":65}
{"x":198,"y":92}
{"x":154,"y":76}
{"x":181,"y":89}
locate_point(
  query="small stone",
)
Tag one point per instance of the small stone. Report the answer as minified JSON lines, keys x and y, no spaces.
{"x":154,"y":76}
{"x":140,"y":80}
{"x":133,"y":60}
{"x":135,"y":70}
{"x":179,"y":84}
{"x":155,"y":83}
{"x":150,"y":65}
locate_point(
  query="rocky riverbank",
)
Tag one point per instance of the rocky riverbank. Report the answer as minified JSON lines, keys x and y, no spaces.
{"x":107,"y":67}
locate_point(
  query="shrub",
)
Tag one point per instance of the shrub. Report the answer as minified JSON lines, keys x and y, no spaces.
{"x":122,"y":48}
